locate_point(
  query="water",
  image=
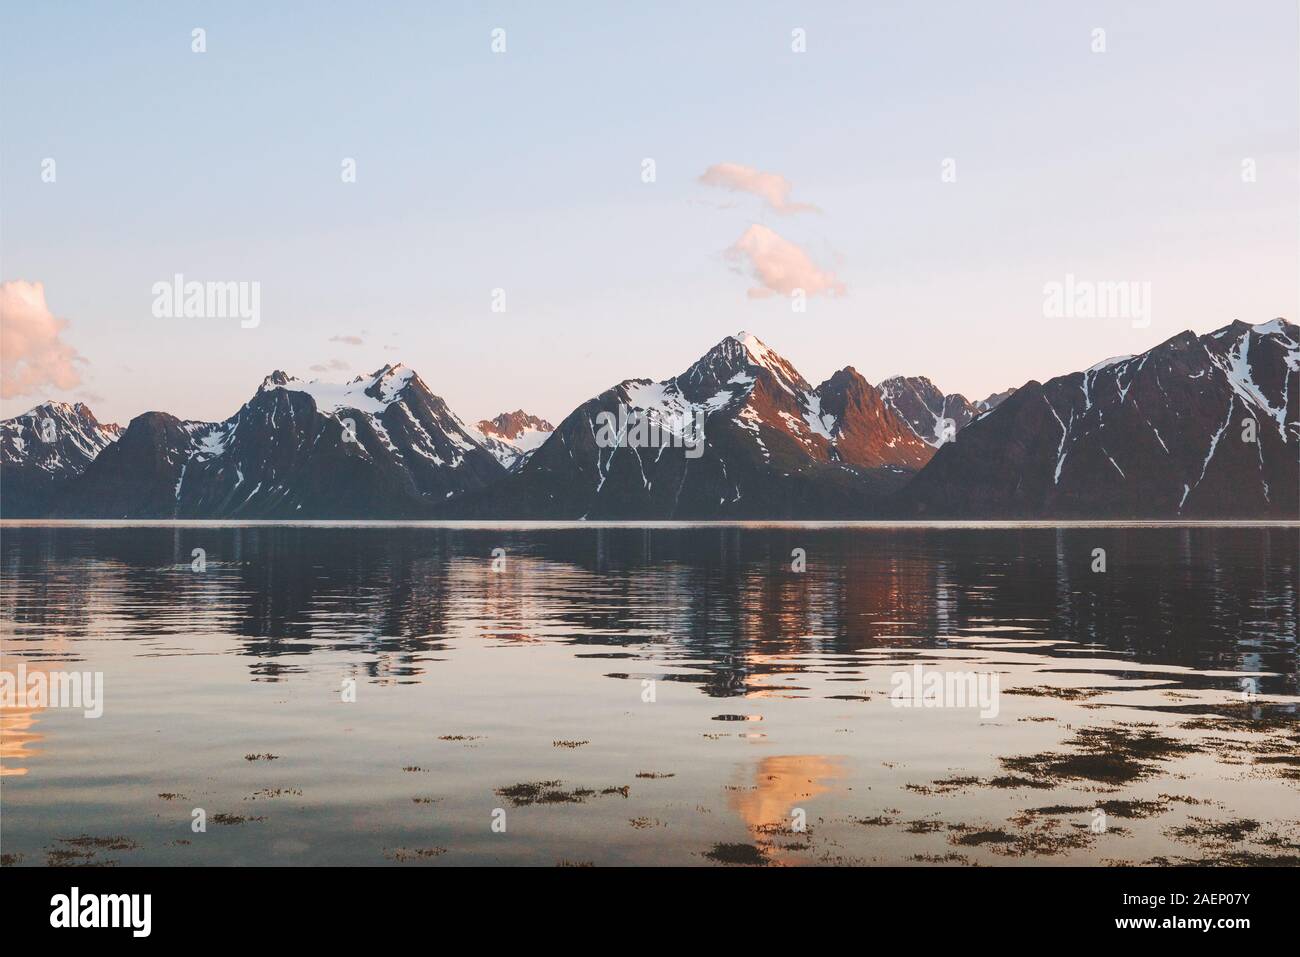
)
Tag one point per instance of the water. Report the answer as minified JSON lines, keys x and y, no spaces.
{"x":661,"y":695}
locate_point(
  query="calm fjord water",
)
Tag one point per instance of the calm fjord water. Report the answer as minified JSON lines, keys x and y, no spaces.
{"x":652,"y":695}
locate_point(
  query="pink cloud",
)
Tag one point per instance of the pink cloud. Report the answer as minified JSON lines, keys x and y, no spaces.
{"x":771,"y":187}
{"x":33,"y":355}
{"x":334,"y":365}
{"x":780,"y":266}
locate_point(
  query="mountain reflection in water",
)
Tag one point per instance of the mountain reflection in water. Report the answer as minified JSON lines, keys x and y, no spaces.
{"x":492,"y":677}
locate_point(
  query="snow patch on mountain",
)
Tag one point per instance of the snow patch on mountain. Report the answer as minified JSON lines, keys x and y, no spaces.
{"x":71,"y":441}
{"x":922,"y":406}
{"x":822,"y":424}
{"x":512,"y":437}
{"x":1236,"y":367}
{"x":369,"y":394}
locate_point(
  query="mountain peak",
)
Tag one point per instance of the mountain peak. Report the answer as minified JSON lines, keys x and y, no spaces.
{"x":736,"y":359}
{"x":279,"y":379}
{"x":53,"y":440}
{"x":925,"y":407}
{"x":843,"y":376}
{"x":1278,"y":325}
{"x":365,"y":393}
{"x":512,"y":437}
{"x":904,"y":380}
{"x":1137,"y":436}
{"x":510,"y":425}
{"x":65,"y":410}
{"x":383,"y":372}
{"x":389,"y":381}
{"x":757,"y":350}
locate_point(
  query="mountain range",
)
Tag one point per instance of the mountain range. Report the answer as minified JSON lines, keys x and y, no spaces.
{"x":1196,"y":427}
{"x":1199,"y":426}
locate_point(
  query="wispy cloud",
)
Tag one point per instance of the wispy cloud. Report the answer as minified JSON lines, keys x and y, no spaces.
{"x":780,"y":266}
{"x":773,"y":188}
{"x":334,"y":365}
{"x":348,"y":340}
{"x":33,"y":354}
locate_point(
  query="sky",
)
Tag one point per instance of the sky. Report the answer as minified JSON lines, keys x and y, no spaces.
{"x":922,"y":171}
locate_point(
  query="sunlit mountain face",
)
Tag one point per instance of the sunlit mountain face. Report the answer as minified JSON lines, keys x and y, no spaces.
{"x":514,"y":436}
{"x":1197,"y":427}
{"x":770,"y":444}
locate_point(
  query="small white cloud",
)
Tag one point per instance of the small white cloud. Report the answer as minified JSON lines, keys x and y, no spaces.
{"x":348,"y":340}
{"x":771,"y":187}
{"x":33,"y":355}
{"x":780,"y":266}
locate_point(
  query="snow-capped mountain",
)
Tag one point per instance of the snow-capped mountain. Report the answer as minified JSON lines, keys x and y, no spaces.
{"x":381,"y":445}
{"x":925,"y":408}
{"x":739,"y":433}
{"x":514,"y":436}
{"x":928,"y":410}
{"x":1202,"y":427}
{"x":43,"y":449}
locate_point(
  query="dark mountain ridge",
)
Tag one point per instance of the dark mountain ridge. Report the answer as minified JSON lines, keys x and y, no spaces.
{"x":1196,"y":427}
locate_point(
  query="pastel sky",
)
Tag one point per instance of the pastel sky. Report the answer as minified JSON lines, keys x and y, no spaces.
{"x":523,"y":171}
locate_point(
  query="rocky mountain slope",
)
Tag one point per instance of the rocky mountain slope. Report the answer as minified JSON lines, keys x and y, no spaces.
{"x":380,"y":446}
{"x":1197,"y":427}
{"x":738,"y":434}
{"x":929,"y":412}
{"x":514,"y":436}
{"x":44,"y":449}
